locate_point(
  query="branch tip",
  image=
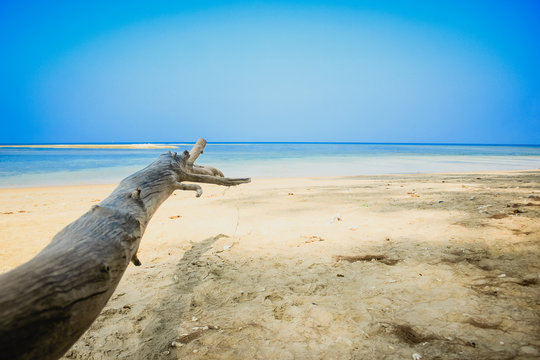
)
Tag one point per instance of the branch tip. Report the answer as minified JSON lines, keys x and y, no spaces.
{"x":135,"y":260}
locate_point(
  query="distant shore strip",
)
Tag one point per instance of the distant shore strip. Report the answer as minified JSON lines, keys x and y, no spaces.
{"x":95,"y":146}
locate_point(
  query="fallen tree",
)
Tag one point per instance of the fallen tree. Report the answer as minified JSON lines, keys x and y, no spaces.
{"x":47,"y":303}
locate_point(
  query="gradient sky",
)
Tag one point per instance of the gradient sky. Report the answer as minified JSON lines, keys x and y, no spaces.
{"x":359,"y":71}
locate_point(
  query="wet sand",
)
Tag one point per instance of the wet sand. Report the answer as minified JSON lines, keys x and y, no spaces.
{"x":446,"y":266}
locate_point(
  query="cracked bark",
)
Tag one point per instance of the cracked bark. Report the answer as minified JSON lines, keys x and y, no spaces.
{"x":47,"y":303}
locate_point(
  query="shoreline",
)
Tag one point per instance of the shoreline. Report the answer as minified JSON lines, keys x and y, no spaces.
{"x":37,"y":167}
{"x":326,"y":177}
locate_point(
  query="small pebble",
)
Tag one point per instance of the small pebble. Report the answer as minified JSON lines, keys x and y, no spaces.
{"x":416,"y":356}
{"x":337,"y":217}
{"x":502,"y":275}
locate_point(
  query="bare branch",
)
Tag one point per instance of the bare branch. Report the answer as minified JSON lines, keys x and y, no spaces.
{"x":191,"y":187}
{"x":197,"y":149}
{"x":209,"y":170}
{"x":214,"y":179}
{"x":206,"y":174}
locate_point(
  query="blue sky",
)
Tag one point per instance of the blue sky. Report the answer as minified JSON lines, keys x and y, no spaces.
{"x":362,"y":71}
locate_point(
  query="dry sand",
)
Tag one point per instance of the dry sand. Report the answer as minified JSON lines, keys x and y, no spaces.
{"x":445,"y":266}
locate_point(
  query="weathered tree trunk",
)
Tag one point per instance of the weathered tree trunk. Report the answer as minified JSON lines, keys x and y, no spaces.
{"x":47,"y":303}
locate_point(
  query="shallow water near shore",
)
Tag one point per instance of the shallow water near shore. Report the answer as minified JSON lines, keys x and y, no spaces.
{"x":26,"y":166}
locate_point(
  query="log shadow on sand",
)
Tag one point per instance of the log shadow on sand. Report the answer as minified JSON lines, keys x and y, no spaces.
{"x":156,"y":337}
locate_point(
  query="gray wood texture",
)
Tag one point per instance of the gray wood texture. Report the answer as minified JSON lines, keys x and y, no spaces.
{"x":47,"y":303}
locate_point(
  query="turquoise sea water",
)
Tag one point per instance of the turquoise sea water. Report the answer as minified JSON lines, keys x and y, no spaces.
{"x":21,"y":167}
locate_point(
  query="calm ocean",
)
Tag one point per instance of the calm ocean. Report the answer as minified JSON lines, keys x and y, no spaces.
{"x":21,"y":167}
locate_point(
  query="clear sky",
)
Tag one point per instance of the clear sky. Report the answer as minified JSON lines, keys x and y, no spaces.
{"x":351,"y":71}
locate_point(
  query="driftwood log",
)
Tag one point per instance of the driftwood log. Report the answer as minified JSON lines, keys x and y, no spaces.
{"x":47,"y":303}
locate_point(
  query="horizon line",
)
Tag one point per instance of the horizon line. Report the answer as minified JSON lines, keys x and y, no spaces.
{"x":269,"y":142}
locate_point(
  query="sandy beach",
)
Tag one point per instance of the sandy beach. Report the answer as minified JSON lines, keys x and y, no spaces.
{"x":446,"y":266}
